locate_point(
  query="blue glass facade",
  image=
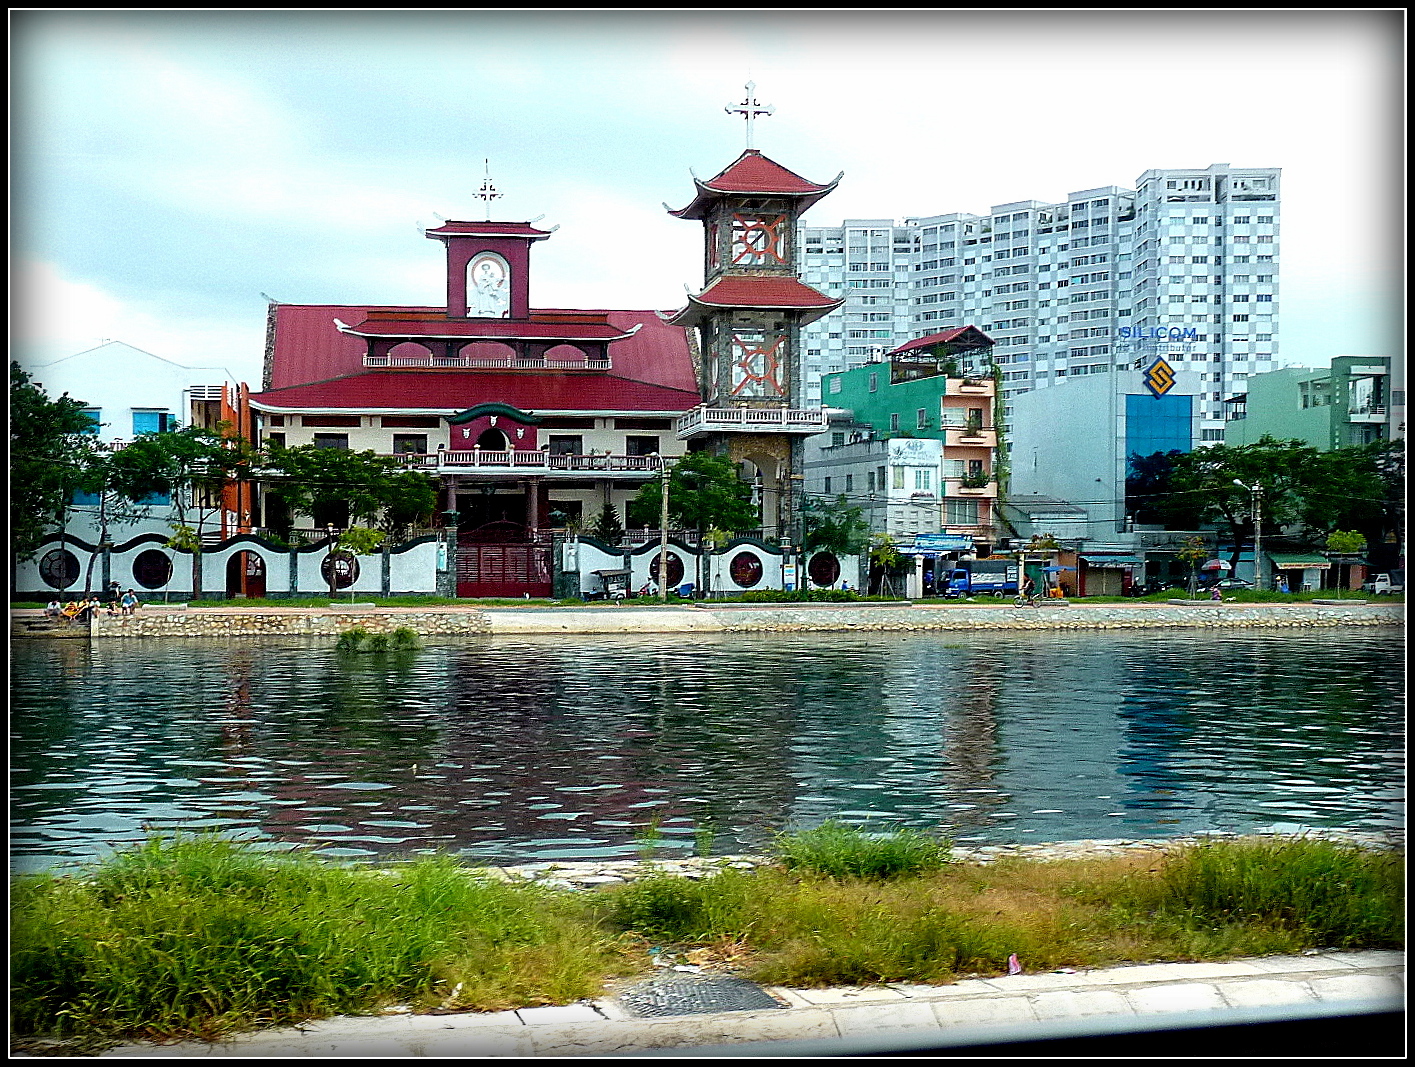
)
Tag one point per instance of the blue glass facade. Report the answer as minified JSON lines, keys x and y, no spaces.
{"x":1158,"y":424}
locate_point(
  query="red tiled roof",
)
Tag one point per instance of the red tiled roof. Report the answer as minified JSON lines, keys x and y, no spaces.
{"x":953,"y":333}
{"x":763,"y":291}
{"x":753,"y":173}
{"x":487,"y":229}
{"x":458,"y":390}
{"x":488,"y":328}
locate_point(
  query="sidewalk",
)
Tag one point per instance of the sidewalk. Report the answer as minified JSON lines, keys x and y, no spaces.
{"x":823,"y":1022}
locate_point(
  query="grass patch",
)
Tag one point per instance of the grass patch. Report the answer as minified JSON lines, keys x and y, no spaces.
{"x":201,"y":936}
{"x":839,"y":851}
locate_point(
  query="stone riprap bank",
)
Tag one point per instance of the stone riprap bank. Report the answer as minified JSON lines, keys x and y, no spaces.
{"x":158,"y":621}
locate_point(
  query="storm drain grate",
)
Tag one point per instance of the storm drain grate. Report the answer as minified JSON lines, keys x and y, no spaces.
{"x":693,"y":995}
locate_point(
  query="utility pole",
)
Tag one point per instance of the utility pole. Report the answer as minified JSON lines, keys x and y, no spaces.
{"x":1257,"y":490}
{"x":662,"y":529}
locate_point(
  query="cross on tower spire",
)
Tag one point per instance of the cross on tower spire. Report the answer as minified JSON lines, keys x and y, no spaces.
{"x":487,"y":191}
{"x":749,"y":109}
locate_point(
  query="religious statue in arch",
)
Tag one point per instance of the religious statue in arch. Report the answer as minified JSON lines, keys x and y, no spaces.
{"x":489,"y":291}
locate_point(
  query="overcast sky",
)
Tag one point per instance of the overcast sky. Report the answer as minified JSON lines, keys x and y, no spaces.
{"x":169,"y":168}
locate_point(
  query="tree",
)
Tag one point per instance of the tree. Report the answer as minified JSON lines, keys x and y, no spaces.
{"x":836,"y":526}
{"x":703,"y":490}
{"x":99,"y":476}
{"x":1344,"y":546}
{"x":1204,"y":486}
{"x":607,"y":526}
{"x":359,"y":487}
{"x":47,"y":447}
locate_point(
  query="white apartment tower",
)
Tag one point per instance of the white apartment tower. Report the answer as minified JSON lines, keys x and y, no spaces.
{"x":1184,"y":266}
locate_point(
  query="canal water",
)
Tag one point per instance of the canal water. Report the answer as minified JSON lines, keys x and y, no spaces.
{"x":581,"y":747}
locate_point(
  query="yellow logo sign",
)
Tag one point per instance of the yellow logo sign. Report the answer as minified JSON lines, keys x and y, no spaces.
{"x":1159,"y":379}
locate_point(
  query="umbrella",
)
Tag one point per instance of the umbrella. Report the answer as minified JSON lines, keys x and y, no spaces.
{"x":1053,"y":570}
{"x":1217,"y":565}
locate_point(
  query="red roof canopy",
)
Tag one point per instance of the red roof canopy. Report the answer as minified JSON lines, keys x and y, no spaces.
{"x":953,"y":333}
{"x":753,"y":174}
{"x":453,"y":228}
{"x":758,"y":291}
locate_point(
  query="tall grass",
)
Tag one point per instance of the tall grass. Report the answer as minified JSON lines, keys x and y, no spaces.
{"x":842,"y":851}
{"x":201,"y":936}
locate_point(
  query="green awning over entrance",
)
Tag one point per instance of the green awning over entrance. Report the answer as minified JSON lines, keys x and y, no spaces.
{"x":1298,"y":560}
{"x":1113,"y":561}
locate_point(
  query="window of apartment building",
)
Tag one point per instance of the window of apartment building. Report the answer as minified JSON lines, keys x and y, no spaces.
{"x":874,"y":383}
{"x":961,"y":513}
{"x":1264,"y":259}
{"x":898,"y":477}
{"x":331,"y":440}
{"x":409,"y":442}
{"x":849,"y":483}
{"x":277,"y":439}
{"x":1265,"y":298}
{"x":827,"y":483}
{"x":1242,"y":220}
{"x":923,"y":479}
{"x":565,"y":444}
{"x":1211,"y":435}
{"x":151,"y":422}
{"x":837,"y":439}
{"x":870,"y":481}
{"x":922,"y":419}
{"x":894,"y":422}
{"x":640,"y":445}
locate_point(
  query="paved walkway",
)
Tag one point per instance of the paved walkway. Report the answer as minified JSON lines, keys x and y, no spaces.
{"x":887,"y":1018}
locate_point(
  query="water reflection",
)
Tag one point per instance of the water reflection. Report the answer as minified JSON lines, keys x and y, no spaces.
{"x":570,"y":747}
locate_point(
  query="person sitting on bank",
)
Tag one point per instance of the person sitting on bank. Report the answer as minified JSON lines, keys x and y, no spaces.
{"x":53,"y":609}
{"x":129,"y":602}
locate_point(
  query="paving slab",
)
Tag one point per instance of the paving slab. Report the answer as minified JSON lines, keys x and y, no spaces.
{"x":1065,"y":1004}
{"x":850,"y":994}
{"x":984,"y":1012}
{"x":559,"y":1015}
{"x":1183,"y":996}
{"x":1266,"y":992}
{"x":1357,"y":987}
{"x":885,"y":1018}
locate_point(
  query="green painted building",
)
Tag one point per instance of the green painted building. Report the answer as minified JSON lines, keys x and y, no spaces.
{"x":1355,"y":402}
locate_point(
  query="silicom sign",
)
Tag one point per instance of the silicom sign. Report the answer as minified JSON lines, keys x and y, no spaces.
{"x":1157,"y":334}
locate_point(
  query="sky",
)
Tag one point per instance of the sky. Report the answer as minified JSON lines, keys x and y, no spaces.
{"x":170,"y":171}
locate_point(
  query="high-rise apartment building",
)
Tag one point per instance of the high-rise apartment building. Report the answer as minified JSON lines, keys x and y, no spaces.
{"x":1184,"y":266}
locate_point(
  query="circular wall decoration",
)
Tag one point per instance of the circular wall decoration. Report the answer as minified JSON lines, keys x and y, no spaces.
{"x":675,"y":570}
{"x":344,"y":566}
{"x":152,"y":569}
{"x":59,"y":568}
{"x":746,"y":569}
{"x":824,"y":569}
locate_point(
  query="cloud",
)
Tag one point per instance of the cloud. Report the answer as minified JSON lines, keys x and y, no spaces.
{"x":56,"y":316}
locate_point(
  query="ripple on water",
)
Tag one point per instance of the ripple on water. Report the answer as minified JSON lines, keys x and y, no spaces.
{"x":501,"y":749}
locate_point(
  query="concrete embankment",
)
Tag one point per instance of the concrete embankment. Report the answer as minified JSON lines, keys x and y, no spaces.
{"x":155,"y":620}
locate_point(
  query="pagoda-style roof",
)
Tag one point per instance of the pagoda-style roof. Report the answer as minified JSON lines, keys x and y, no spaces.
{"x":440,"y":327}
{"x":453,"y":228}
{"x":765,"y":292}
{"x":953,"y":339}
{"x":753,"y":174}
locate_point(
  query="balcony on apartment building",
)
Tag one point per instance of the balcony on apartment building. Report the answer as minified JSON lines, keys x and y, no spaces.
{"x":969,"y":436}
{"x":971,"y":387}
{"x":969,"y":487}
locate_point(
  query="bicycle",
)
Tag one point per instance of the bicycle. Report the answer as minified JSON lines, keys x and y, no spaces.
{"x":1025,"y":600}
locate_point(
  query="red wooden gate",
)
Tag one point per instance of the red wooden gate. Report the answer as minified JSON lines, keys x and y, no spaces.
{"x":502,"y":560}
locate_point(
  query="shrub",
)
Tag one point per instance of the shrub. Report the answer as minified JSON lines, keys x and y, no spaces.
{"x":352,"y":640}
{"x":841,"y":851}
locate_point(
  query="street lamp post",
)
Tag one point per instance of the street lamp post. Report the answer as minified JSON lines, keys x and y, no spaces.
{"x":329,"y":558}
{"x":1257,"y":490}
{"x":662,"y":529}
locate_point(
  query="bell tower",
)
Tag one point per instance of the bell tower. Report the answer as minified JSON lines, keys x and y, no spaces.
{"x":749,"y":315}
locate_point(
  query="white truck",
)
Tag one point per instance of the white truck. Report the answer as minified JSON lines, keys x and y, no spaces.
{"x":1389,"y":584}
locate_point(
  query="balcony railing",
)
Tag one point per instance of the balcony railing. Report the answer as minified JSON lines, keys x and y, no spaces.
{"x":956,"y":487}
{"x":965,"y":436}
{"x":703,"y":420}
{"x":460,"y":362}
{"x":525,"y":461}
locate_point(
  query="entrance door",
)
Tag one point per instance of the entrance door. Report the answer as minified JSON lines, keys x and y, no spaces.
{"x":501,"y":560}
{"x":245,"y":575}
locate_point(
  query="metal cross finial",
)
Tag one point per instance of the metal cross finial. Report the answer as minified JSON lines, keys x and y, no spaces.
{"x":488,"y":191}
{"x":749,"y":109}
